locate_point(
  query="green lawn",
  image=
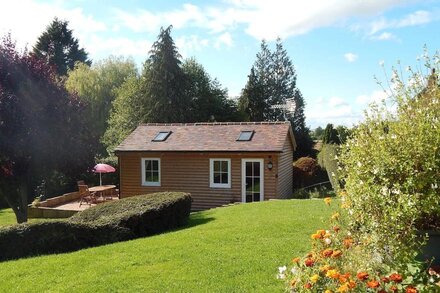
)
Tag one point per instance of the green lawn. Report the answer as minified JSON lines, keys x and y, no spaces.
{"x":7,"y":217}
{"x":232,"y":249}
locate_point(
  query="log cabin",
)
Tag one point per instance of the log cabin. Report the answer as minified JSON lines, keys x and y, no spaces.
{"x":218,"y":163}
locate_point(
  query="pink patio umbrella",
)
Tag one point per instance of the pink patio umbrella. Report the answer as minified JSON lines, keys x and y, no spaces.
{"x":103,"y":168}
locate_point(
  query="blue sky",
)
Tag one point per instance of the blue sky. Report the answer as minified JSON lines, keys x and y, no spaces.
{"x":336,"y":45}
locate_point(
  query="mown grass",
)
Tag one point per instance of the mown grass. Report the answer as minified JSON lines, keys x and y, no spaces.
{"x":232,"y":249}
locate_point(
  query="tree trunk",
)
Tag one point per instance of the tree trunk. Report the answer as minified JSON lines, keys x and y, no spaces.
{"x":16,"y":198}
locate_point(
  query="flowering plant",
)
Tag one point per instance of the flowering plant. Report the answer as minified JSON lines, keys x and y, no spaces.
{"x":337,"y":262}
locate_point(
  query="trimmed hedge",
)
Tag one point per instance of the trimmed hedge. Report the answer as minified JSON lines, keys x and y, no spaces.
{"x":106,"y":223}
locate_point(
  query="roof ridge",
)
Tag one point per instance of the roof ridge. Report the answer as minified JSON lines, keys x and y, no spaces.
{"x":216,"y":123}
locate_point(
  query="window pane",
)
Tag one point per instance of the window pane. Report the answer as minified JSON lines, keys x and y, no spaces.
{"x":161,"y":136}
{"x":256,"y":185}
{"x":155,"y":165}
{"x":248,"y":168}
{"x":225,"y":178}
{"x":224,"y":166}
{"x":148,"y":165}
{"x":148,"y":177}
{"x":217,"y":178}
{"x":216,"y":166}
{"x":256,"y":168}
{"x":155,"y":176}
{"x":248,"y":197}
{"x":245,"y":135}
{"x":248,"y":184}
{"x":256,"y":196}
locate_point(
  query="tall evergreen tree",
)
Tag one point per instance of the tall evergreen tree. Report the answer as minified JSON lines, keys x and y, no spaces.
{"x":165,"y":82}
{"x":271,"y":82}
{"x":254,"y":99}
{"x":58,"y":46}
{"x":330,"y":135}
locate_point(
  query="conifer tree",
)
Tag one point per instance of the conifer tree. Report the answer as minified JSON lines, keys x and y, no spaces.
{"x":58,"y":46}
{"x":165,"y":82}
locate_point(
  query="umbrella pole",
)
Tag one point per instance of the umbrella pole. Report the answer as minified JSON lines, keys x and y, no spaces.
{"x":100,"y":179}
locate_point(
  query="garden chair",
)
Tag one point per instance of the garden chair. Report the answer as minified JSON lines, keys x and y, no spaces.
{"x":86,"y":196}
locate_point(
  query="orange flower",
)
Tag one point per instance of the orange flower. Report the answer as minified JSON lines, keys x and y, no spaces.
{"x":327,"y":252}
{"x":292,"y":283}
{"x":333,"y":274}
{"x":352,"y":284}
{"x":411,"y":289}
{"x":336,"y":229}
{"x":296,"y":260}
{"x":385,"y":280}
{"x":362,"y":276}
{"x":309,"y":262}
{"x":315,"y":236}
{"x":308,"y":286}
{"x":336,"y":253}
{"x":344,"y":277}
{"x":348,"y":242}
{"x":321,"y":233}
{"x":394,"y":289}
{"x":395,"y":277}
{"x":343,"y":288}
{"x":327,"y":200}
{"x":373,"y":284}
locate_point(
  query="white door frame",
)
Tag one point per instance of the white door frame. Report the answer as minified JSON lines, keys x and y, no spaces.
{"x":243,"y":177}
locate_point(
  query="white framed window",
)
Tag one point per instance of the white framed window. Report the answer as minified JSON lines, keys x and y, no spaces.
{"x":220,"y":173}
{"x":150,"y":171}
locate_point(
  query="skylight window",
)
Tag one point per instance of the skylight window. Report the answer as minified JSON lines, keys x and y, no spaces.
{"x":245,"y":136}
{"x":162,"y":136}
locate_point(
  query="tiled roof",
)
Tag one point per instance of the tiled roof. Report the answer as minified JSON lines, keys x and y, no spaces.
{"x":268,"y":136}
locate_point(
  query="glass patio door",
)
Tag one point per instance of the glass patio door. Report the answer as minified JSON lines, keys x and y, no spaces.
{"x":252,"y":180}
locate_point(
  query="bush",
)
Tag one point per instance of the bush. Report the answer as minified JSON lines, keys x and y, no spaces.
{"x":55,"y":237}
{"x":392,"y":166}
{"x":142,"y":215}
{"x":106,"y":223}
{"x":327,"y":159}
{"x":306,"y":172}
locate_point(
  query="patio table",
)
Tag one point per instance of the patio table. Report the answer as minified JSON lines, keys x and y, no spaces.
{"x":103,"y":190}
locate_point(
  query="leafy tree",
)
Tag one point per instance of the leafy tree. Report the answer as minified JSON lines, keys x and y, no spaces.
{"x":127,"y":112}
{"x":209,"y":101}
{"x":330,"y":135}
{"x":97,"y":86}
{"x":165,"y":82}
{"x":58,"y":46}
{"x":40,"y":127}
{"x":318,"y":133}
{"x":343,"y":133}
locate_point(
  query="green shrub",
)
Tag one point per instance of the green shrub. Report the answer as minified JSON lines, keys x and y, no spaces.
{"x":55,"y":237}
{"x":142,"y":215}
{"x":306,"y":172}
{"x":110,"y":222}
{"x":328,"y":159}
{"x":392,"y":166}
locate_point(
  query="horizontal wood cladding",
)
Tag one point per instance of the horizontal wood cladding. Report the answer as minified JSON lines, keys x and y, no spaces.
{"x":189,"y":172}
{"x":285,"y":170}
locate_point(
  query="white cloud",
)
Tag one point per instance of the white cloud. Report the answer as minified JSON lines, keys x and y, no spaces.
{"x":350,"y":57}
{"x":224,"y":39}
{"x":260,"y":18}
{"x":376,"y":96}
{"x":334,"y":110}
{"x":98,"y":46}
{"x":188,"y":44}
{"x":385,"y":36}
{"x":413,"y":19}
{"x":27,"y":19}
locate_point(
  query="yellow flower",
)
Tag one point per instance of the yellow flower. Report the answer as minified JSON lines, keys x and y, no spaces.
{"x":344,"y":288}
{"x":296,"y":260}
{"x":327,"y":200}
{"x":315,"y":236}
{"x":345,"y":205}
{"x":325,"y":268}
{"x":328,"y":291}
{"x":335,"y":216}
{"x":332,"y":274}
{"x":314,"y":278}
